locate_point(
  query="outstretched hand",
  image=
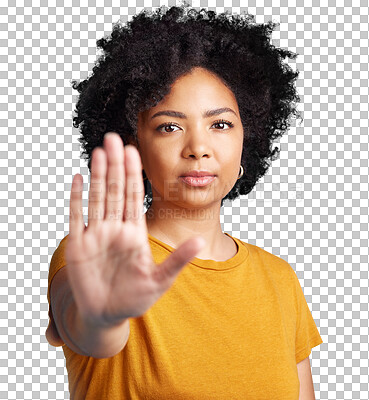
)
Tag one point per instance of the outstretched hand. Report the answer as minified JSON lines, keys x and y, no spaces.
{"x":112,"y":273}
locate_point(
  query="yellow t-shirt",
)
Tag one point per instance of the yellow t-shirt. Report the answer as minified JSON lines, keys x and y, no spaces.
{"x":230,"y":329}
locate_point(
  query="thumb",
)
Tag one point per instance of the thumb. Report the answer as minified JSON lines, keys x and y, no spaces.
{"x":168,"y":270}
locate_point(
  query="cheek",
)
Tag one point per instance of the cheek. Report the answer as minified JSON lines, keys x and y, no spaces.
{"x":237,"y":155}
{"x":229,"y":156}
{"x":162,"y":167}
{"x":163,"y":155}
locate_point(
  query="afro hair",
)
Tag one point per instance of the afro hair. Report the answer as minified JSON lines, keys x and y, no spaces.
{"x":143,"y":58}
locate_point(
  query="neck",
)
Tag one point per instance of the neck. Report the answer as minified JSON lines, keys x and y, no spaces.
{"x":174,"y":225}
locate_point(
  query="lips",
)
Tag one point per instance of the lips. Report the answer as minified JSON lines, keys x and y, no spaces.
{"x":197,"y":173}
{"x":197,"y":180}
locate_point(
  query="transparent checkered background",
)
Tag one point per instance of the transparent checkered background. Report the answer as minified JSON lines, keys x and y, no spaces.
{"x":311,"y":209}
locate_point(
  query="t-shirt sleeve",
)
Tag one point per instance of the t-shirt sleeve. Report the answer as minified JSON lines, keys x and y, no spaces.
{"x":307,"y":334}
{"x":57,"y":262}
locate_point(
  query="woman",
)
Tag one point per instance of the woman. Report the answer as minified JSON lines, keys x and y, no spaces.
{"x":164,"y":305}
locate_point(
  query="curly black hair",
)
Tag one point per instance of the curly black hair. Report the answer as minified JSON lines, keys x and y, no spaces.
{"x":143,"y":58}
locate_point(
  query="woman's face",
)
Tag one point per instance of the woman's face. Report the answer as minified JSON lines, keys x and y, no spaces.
{"x":172,"y":144}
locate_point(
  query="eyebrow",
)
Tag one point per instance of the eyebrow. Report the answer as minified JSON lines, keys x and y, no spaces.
{"x":206,"y":114}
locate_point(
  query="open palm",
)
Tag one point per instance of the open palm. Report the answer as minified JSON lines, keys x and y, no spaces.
{"x":111,"y":270}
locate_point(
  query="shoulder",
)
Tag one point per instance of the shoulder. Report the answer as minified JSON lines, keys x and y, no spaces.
{"x":61,"y":246}
{"x":57,"y":262}
{"x":275,"y":274}
{"x":58,"y":255}
{"x":271,"y":264}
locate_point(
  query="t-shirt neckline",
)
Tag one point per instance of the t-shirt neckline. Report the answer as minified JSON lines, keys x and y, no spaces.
{"x":240,"y":257}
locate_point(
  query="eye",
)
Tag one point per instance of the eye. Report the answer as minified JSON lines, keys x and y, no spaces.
{"x":222,"y":122}
{"x":171,"y":124}
{"x":166,"y":125}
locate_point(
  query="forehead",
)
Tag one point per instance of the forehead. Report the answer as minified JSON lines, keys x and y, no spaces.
{"x":200,"y":77}
{"x":194,"y":93}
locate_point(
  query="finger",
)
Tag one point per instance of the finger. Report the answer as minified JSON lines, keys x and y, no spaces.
{"x":76,"y":224}
{"x":168,"y":270}
{"x":96,"y":198}
{"x":135,"y":192}
{"x":114,"y":202}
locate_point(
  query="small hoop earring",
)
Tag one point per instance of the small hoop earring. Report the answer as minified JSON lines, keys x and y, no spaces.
{"x":241,"y":173}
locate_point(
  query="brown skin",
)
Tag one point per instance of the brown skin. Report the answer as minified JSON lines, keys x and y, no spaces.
{"x":178,"y":211}
{"x":195,"y":144}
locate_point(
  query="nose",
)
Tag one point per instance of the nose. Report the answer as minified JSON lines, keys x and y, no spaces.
{"x":197,"y":145}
